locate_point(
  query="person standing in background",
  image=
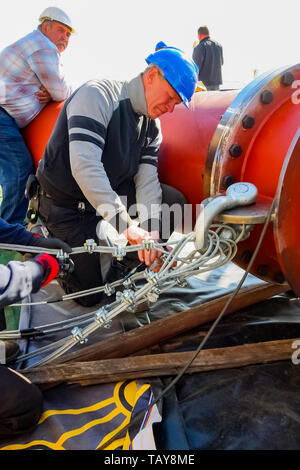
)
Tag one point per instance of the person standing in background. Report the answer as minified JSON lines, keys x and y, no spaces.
{"x":31,"y":75}
{"x":208,"y":56}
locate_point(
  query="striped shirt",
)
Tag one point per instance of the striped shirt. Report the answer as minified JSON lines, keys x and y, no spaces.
{"x":25,"y":65}
{"x":104,"y":142}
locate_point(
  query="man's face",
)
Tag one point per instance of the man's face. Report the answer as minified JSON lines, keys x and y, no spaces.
{"x":161,"y":98}
{"x":58,"y":34}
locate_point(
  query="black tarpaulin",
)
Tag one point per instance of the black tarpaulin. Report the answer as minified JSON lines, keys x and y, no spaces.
{"x":254,"y":407}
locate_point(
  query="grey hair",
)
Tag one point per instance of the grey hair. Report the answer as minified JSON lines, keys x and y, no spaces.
{"x":45,"y":21}
{"x":150,"y":66}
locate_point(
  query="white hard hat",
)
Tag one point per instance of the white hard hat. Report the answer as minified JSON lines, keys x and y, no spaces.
{"x":56,"y":14}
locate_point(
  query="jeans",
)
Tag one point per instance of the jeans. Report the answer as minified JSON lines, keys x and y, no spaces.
{"x":75,"y":227}
{"x":16,"y":164}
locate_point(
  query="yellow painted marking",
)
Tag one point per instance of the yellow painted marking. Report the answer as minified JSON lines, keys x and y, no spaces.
{"x":132,"y":394}
{"x":59,"y":444}
{"x":50,"y":445}
{"x":118,"y":402}
{"x":91,"y":424}
{"x":79,"y":411}
{"x":113,"y":433}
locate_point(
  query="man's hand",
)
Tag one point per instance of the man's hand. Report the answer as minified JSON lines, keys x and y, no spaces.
{"x":135,"y":235}
{"x":51,"y":243}
{"x":43,"y":95}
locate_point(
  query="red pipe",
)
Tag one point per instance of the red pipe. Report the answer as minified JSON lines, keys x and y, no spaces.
{"x":230,"y":136}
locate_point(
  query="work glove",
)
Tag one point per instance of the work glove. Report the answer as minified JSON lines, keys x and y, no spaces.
{"x":49,"y":266}
{"x":50,"y":243}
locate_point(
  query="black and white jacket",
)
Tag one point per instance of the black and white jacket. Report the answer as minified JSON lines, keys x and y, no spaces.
{"x":102,"y":141}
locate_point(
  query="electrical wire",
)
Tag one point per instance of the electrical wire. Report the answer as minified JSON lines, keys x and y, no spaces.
{"x":178,"y":377}
{"x":220,"y":248}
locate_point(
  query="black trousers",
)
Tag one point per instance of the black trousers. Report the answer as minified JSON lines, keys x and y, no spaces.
{"x":20,"y":404}
{"x":74,"y":226}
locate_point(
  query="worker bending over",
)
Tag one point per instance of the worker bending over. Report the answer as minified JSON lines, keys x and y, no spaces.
{"x":101,"y":162}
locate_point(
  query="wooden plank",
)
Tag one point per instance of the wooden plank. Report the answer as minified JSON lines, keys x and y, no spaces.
{"x":125,"y":344}
{"x":115,"y":370}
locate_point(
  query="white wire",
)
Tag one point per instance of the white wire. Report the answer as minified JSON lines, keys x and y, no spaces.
{"x":218,"y":252}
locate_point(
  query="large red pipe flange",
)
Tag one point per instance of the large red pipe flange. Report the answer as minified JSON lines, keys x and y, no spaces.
{"x":287,"y":220}
{"x":226,"y":137}
{"x":250,"y":144}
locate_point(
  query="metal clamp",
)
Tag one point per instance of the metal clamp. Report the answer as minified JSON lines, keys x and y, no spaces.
{"x":77,"y":334}
{"x":66,"y":264}
{"x":181,"y":282}
{"x":151,"y":277}
{"x":108,"y":290}
{"x":119,"y":253}
{"x":153,"y":295}
{"x":101,"y":317}
{"x":129,"y":284}
{"x":128,"y":296}
{"x":148,"y":244}
{"x":90,"y":246}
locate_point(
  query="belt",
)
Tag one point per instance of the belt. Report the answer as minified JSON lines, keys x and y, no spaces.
{"x":82,"y":206}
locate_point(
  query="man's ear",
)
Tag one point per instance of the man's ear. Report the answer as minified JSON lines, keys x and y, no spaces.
{"x":151,"y":75}
{"x":45,"y":28}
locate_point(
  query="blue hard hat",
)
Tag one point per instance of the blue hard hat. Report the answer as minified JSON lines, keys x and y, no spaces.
{"x":180,"y":71}
{"x":160,"y":45}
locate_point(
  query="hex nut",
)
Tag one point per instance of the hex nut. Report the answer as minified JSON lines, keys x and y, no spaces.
{"x":235,"y":150}
{"x":248,"y":121}
{"x":266,"y":97}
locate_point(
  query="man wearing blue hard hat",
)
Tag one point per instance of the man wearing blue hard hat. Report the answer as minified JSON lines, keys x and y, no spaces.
{"x":101,"y":163}
{"x":176,"y":70}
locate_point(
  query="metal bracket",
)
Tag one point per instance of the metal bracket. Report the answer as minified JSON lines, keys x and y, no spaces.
{"x":238,"y":194}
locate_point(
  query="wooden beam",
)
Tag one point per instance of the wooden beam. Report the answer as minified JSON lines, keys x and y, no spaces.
{"x":159,"y":331}
{"x":115,"y":370}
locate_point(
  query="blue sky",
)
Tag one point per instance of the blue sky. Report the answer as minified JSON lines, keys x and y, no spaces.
{"x":113,"y":38}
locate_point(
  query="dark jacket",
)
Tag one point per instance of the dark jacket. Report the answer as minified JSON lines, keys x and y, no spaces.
{"x":14,"y":234}
{"x":103,"y":141}
{"x":208,"y":56}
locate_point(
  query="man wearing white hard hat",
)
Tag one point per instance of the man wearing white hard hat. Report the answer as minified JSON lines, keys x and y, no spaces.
{"x":31,"y":75}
